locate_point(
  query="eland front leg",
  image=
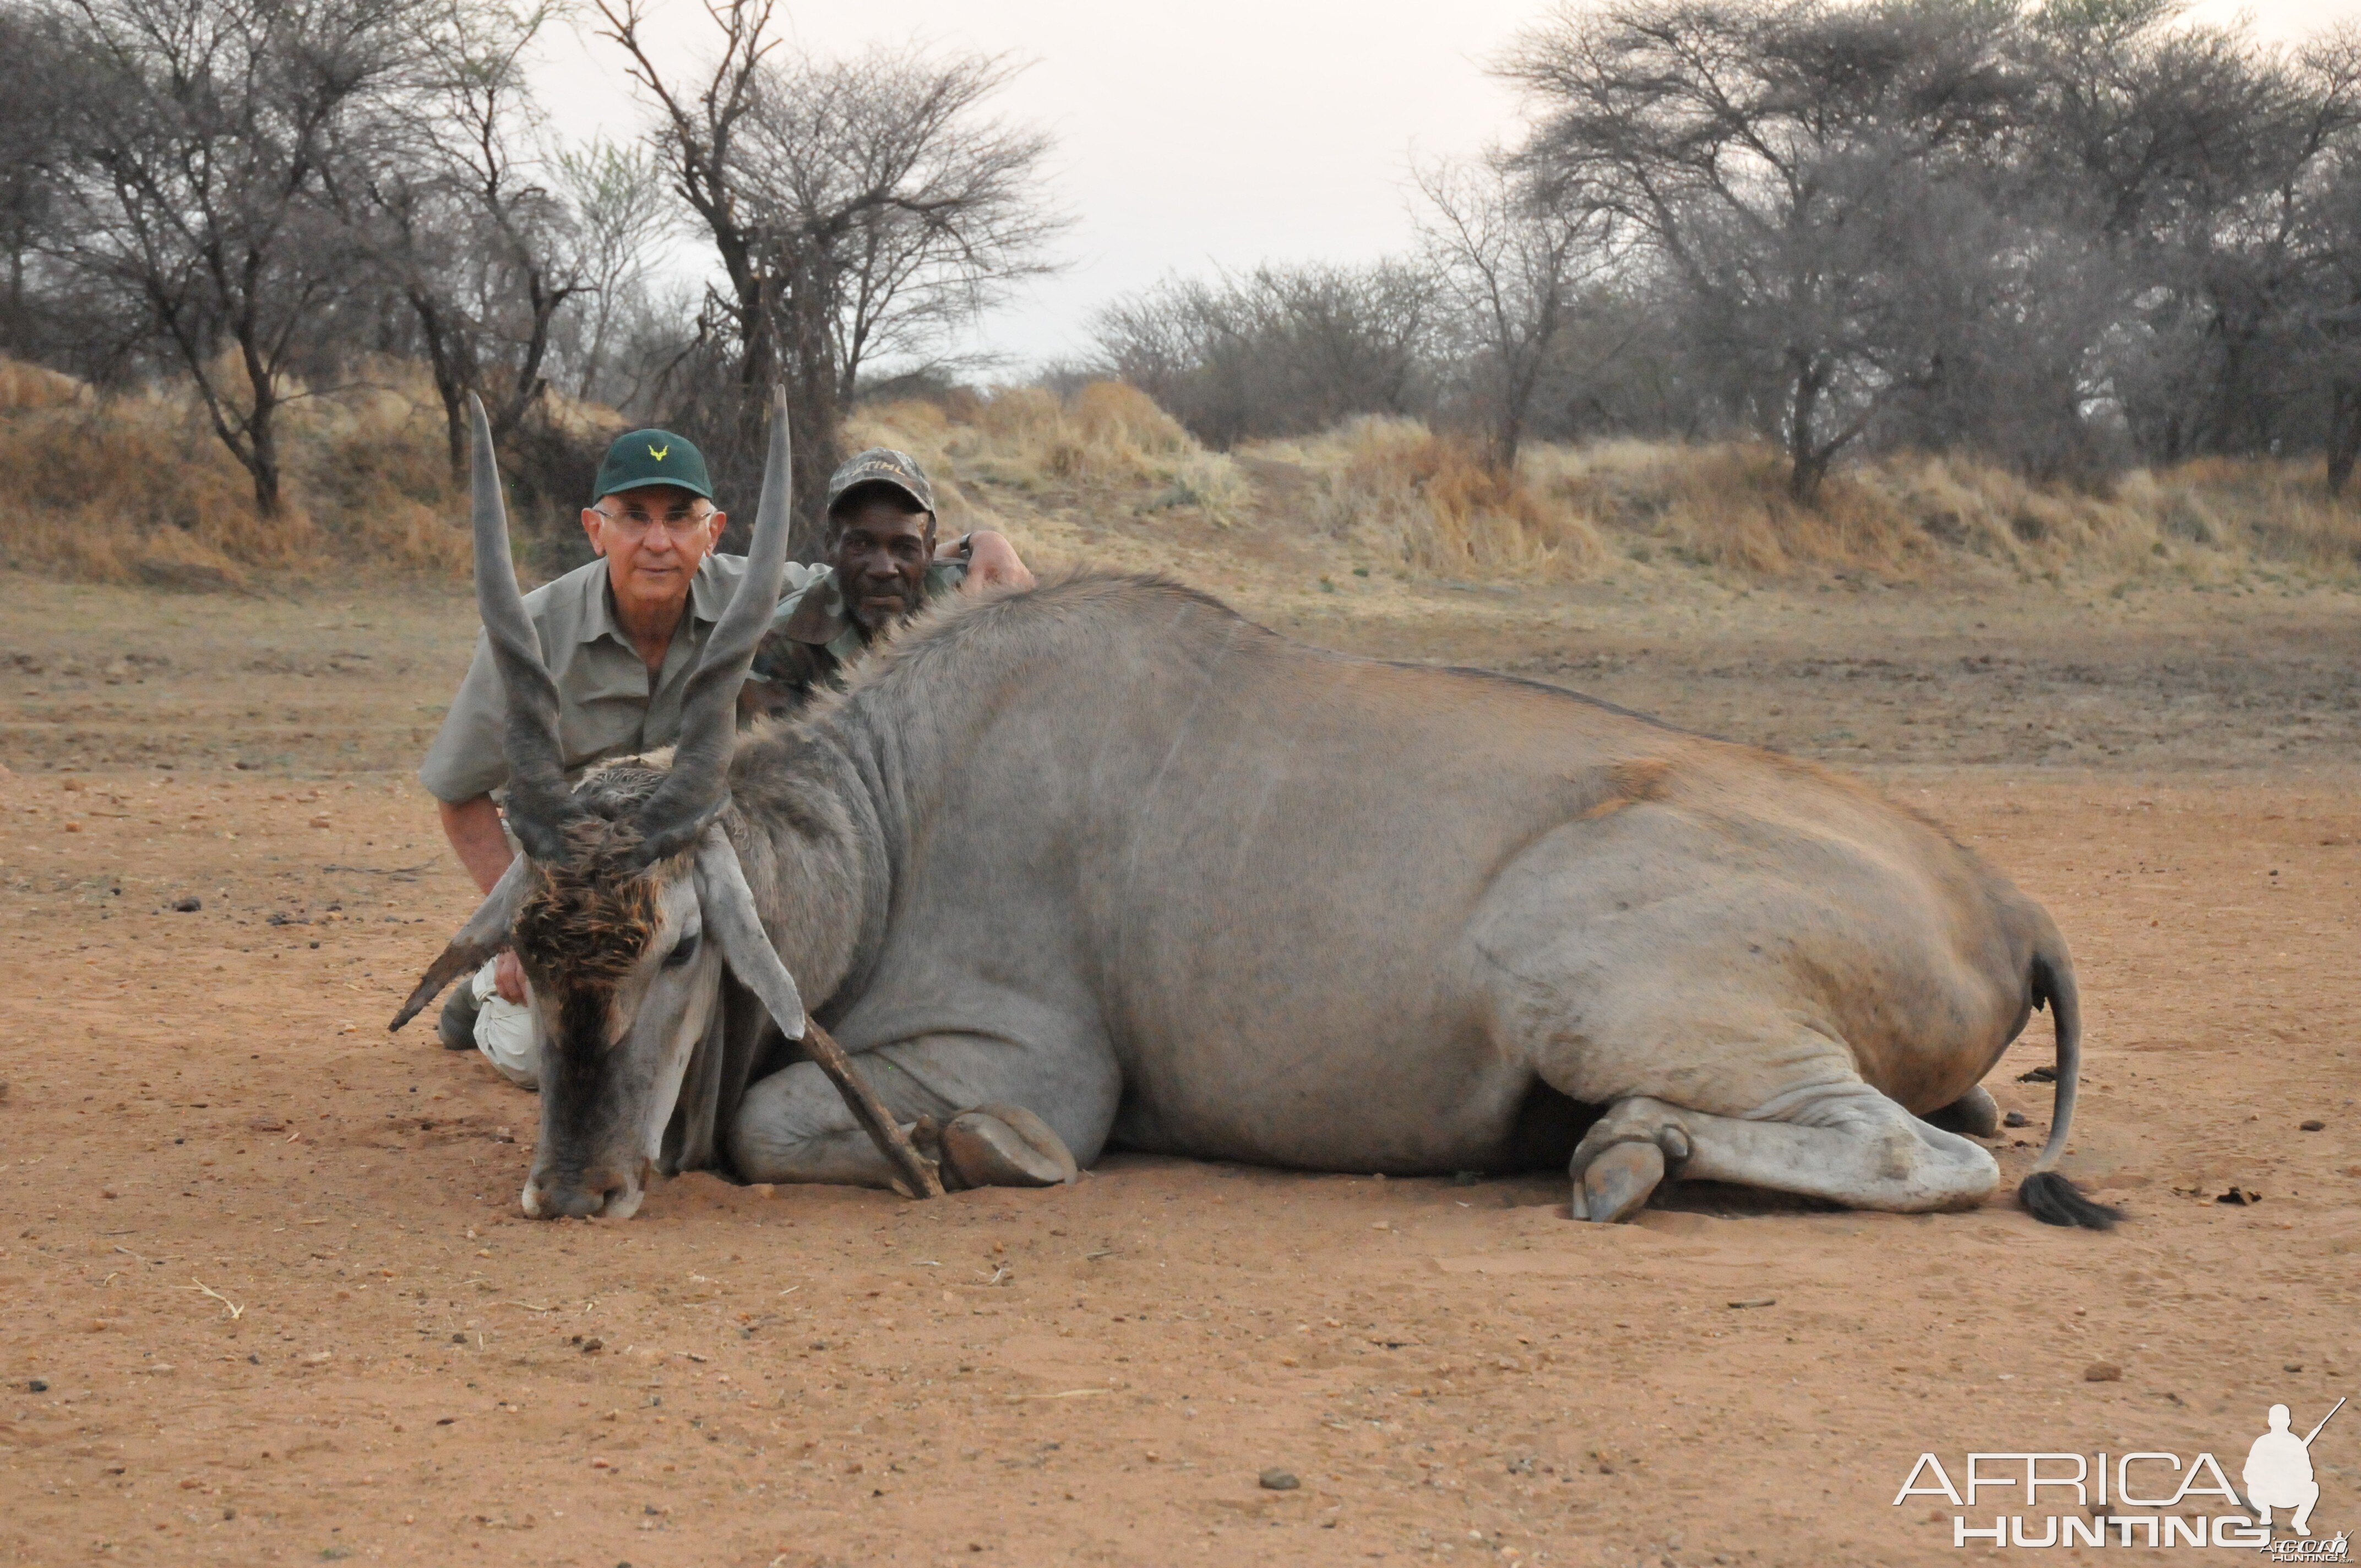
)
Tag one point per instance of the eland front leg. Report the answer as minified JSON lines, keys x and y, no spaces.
{"x":1846,"y":1143}
{"x":994,"y":1114}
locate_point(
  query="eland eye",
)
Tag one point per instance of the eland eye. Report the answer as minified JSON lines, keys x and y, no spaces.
{"x":682,"y":952}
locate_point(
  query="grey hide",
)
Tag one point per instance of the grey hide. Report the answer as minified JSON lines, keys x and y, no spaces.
{"x":1108,"y":851}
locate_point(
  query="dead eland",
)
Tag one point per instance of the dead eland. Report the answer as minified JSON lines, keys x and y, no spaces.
{"x":1103,"y":864}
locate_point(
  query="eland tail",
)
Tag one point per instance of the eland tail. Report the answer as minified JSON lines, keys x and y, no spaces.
{"x":2048,"y":1196}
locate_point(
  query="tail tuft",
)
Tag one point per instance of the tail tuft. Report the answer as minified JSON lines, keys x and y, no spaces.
{"x":2054,"y":1200}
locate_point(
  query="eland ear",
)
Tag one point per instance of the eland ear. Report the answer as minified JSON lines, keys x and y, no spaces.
{"x":486,"y":933}
{"x":731,"y":922}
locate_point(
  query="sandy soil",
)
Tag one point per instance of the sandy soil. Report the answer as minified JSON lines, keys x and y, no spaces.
{"x":265,"y":1297}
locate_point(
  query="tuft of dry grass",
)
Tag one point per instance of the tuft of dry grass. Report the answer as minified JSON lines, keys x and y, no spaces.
{"x":31,"y":387}
{"x":1911,"y":516}
{"x":1108,"y":438}
{"x":1431,"y":503}
{"x":134,"y":487}
{"x":2269,"y":511}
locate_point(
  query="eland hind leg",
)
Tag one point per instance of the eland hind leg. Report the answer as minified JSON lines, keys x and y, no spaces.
{"x":1847,"y":1144}
{"x":1741,"y":1092}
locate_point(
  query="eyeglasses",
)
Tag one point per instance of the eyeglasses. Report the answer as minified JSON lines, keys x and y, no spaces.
{"x":681,"y":523}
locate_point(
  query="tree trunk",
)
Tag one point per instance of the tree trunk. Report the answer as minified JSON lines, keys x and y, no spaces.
{"x":1508,"y":436}
{"x":1804,"y":477}
{"x":262,"y":435}
{"x":447,"y":383}
{"x":2344,"y":435}
{"x":531,"y":384}
{"x":813,"y":413}
{"x":597,"y":357}
{"x":1807,"y":464}
{"x":262,"y":426}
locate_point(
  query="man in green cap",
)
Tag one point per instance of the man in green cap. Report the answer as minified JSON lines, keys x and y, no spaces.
{"x":620,"y":635}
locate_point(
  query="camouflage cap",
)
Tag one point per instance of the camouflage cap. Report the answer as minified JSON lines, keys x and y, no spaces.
{"x":882,"y":466}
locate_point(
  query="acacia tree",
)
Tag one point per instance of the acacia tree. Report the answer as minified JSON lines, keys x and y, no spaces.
{"x":1511,"y":253}
{"x":204,"y":149}
{"x":2327,"y":310}
{"x":622,"y":212}
{"x":2188,"y":157}
{"x":1772,"y":157}
{"x":1277,"y":351}
{"x":484,"y":251}
{"x":858,"y":208}
{"x":897,"y":206}
{"x":37,"y":90}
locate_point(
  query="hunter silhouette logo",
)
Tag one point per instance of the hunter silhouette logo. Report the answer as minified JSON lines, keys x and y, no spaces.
{"x":2279,"y":1471}
{"x":658,"y":452}
{"x":2144,"y":1498}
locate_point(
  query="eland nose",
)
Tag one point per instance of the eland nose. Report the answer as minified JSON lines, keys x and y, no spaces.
{"x":582,"y":1198}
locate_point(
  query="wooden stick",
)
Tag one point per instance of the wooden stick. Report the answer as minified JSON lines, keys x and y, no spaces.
{"x":891,"y":1142}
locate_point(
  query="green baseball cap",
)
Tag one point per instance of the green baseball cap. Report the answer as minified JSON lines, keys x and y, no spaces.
{"x":651,"y":457}
{"x":882,"y":466}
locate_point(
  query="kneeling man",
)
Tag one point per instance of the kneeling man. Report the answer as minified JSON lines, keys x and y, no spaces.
{"x":883,"y":567}
{"x":622,"y":634}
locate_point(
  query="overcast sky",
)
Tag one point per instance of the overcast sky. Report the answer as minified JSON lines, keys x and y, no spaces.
{"x":1192,"y":134}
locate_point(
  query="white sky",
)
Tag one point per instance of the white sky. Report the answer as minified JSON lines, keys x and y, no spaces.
{"x":1195,"y":134}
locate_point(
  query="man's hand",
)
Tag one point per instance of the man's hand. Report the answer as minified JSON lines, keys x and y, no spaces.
{"x":993,"y":562}
{"x":508,"y":976}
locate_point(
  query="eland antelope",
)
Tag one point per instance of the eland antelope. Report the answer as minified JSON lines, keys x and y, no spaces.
{"x":1103,"y":864}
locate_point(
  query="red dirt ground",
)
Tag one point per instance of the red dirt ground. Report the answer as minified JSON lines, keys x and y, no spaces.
{"x":269,"y":1264}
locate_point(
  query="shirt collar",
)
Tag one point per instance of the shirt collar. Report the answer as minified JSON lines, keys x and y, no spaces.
{"x":709,"y":596}
{"x":822,"y":620}
{"x":819,"y":616}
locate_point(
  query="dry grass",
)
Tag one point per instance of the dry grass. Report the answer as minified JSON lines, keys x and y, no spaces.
{"x":1909,"y":516}
{"x":136,"y":488}
{"x":31,"y":387}
{"x":1108,"y":442}
{"x":1429,"y":504}
{"x":1423,"y":502}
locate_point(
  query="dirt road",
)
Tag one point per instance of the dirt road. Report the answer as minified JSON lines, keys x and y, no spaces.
{"x":265,"y":1297}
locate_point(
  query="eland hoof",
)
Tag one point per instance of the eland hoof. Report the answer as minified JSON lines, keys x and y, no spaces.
{"x":1004,"y":1145}
{"x":1616,"y":1185}
{"x":1974,"y":1114}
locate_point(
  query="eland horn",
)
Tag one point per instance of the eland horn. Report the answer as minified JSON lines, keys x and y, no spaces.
{"x":696,"y":788}
{"x":539,"y":804}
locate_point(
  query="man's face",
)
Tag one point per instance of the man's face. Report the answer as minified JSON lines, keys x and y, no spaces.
{"x":881,"y":558}
{"x":653,"y":539}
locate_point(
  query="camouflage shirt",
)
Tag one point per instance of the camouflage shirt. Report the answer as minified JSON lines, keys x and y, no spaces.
{"x":814,"y":641}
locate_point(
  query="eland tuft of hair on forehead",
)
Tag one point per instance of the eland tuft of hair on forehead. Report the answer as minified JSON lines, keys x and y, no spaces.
{"x":590,"y":914}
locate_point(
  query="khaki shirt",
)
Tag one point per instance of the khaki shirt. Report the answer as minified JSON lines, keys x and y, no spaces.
{"x":608,"y":706}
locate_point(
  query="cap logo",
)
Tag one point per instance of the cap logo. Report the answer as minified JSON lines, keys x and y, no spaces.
{"x":658,"y":452}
